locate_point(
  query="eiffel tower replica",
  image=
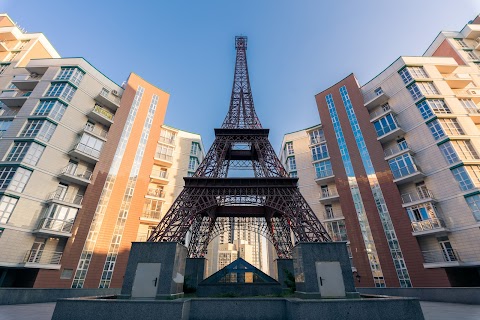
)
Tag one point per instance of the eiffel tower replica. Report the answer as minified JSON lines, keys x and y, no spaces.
{"x":213,"y":201}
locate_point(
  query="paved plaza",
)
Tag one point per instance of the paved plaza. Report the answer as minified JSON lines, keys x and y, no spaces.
{"x":431,"y":310}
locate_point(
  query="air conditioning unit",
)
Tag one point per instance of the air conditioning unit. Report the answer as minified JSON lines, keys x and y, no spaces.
{"x":115,"y":92}
{"x":474,"y":92}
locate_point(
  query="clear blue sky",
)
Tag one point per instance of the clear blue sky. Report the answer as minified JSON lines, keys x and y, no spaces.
{"x":295,"y":48}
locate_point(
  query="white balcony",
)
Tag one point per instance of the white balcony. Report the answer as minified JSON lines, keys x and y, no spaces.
{"x":160,"y":177}
{"x":163,"y":159}
{"x":74,"y":201}
{"x":14,"y":98}
{"x":170,"y":140}
{"x":458,"y":80}
{"x":471,"y":93}
{"x":156,"y":193}
{"x":43,"y":259}
{"x":97,"y":132}
{"x":397,"y":150}
{"x":375,"y":98}
{"x":407,"y":174}
{"x":26,"y":82}
{"x":414,"y":198}
{"x":73,"y":175}
{"x":101,"y":115}
{"x":471,"y":31}
{"x":325,"y":176}
{"x":428,"y":227}
{"x":54,"y":227}
{"x":329,"y":196}
{"x":331,"y":215}
{"x":390,"y":135}
{"x":383,"y":111}
{"x":85,"y":153}
{"x":108,"y":99}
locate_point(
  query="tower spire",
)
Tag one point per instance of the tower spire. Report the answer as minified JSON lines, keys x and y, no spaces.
{"x":241,"y":114}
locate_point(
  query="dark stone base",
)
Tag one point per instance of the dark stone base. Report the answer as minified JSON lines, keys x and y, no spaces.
{"x":310,"y":295}
{"x":194,"y":273}
{"x":283,"y":266}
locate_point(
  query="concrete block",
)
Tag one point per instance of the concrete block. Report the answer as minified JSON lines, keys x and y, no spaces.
{"x":195,"y":269}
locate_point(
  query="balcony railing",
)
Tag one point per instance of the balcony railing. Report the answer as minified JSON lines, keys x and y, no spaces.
{"x":156,"y":192}
{"x":395,"y":149}
{"x":170,"y":140}
{"x":56,"y":225}
{"x":339,"y":237}
{"x":87,"y":175}
{"x":428,"y":225}
{"x":328,"y":214}
{"x":152,"y":215}
{"x":8,"y":112}
{"x":436,"y":256}
{"x":43,"y":256}
{"x":99,"y":132}
{"x":384,"y":109}
{"x":106,"y":94}
{"x":103,"y":112}
{"x":421,"y":194}
{"x":328,"y":194}
{"x":76,"y":199}
{"x":160,"y":174}
{"x":405,"y":171}
{"x":87,"y":150}
{"x":324,"y":173}
{"x":163,"y":156}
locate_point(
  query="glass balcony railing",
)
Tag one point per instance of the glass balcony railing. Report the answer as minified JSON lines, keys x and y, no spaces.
{"x":404,"y":171}
{"x":169,"y":140}
{"x":56,"y":225}
{"x":324,"y":174}
{"x":73,"y":171}
{"x":421,"y":194}
{"x":59,"y":196}
{"x":87,"y":150}
{"x":163,"y":156}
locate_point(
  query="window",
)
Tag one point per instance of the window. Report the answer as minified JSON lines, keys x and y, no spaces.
{"x":167,"y":136}
{"x":474,"y":173}
{"x":3,"y":67}
{"x":378,"y":91}
{"x":461,"y":43}
{"x":195,"y":149}
{"x":293,"y":174}
{"x":20,"y":179}
{"x":89,"y":126}
{"x":319,"y":152}
{"x":402,"y":166}
{"x":51,"y":108}
{"x":6,"y":176}
{"x":469,"y":105}
{"x":449,"y":152}
{"x":421,"y":212}
{"x":164,"y":152}
{"x":28,"y":152}
{"x":71,"y":74}
{"x":420,"y":89}
{"x":323,"y":169}
{"x":62,"y":90}
{"x":410,"y":73}
{"x":402,"y":144}
{"x":337,"y":230}
{"x":472,"y":201}
{"x":385,"y":125}
{"x":193,"y":164}
{"x":405,"y":75}
{"x":463,"y":179}
{"x":40,"y":129}
{"x":436,"y":129}
{"x":7,"y":204}
{"x":292,"y":165}
{"x":465,"y":149}
{"x":414,"y":91}
{"x":471,"y":55}
{"x":12,"y":56}
{"x":90,"y":145}
{"x":152,"y":208}
{"x":4,"y":125}
{"x":289,"y":148}
{"x":316,"y":136}
{"x":451,"y":127}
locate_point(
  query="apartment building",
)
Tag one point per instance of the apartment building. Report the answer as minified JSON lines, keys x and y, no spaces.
{"x":178,"y":155}
{"x":407,"y":169}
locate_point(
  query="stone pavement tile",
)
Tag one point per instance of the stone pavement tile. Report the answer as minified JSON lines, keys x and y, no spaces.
{"x":35,"y":311}
{"x":449,"y":311}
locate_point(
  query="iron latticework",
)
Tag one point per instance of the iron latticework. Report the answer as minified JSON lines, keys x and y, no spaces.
{"x":213,"y":201}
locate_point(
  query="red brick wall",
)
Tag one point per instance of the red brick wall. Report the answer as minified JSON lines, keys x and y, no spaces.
{"x":445,"y":49}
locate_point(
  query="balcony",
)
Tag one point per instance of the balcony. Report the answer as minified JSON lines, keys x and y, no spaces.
{"x":107,"y":99}
{"x":160,"y":177}
{"x":472,"y":93}
{"x":325,"y":176}
{"x":97,"y":132}
{"x":26,"y":82}
{"x":427,"y":227}
{"x":101,"y":115}
{"x":397,"y":150}
{"x":8,"y":113}
{"x":71,"y":201}
{"x":170,"y":140}
{"x":151,"y":216}
{"x":156,"y":193}
{"x":85,"y":153}
{"x":54,"y":227}
{"x":43,"y":259}
{"x":441,"y":258}
{"x":407,"y":174}
{"x":471,"y":31}
{"x":414,"y":198}
{"x":73,"y":175}
{"x":329,"y":196}
{"x":474,"y":114}
{"x":458,"y":80}
{"x":330,"y":215}
{"x":390,"y":135}
{"x":163,"y":159}
{"x":14,"y":98}
{"x":384,"y":110}
{"x":339,"y":237}
{"x":375,"y":98}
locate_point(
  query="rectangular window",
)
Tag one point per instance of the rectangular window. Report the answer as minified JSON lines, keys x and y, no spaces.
{"x":474,"y":173}
{"x":319,"y":152}
{"x":451,"y":127}
{"x":164,"y":152}
{"x":405,"y":75}
{"x":193,"y":164}
{"x":3,"y":67}
{"x":20,"y":179}
{"x":292,"y":164}
{"x":427,"y":88}
{"x":461,"y":43}
{"x":436,"y":129}
{"x":7,"y":204}
{"x":463,"y":179}
{"x":323,"y":169}
{"x":90,"y":145}
{"x":152,"y":208}
{"x":421,"y":212}
{"x":61,"y":90}
{"x":316,"y":136}
{"x":465,"y":150}
{"x":28,"y":152}
{"x":472,"y":201}
{"x":40,"y":129}
{"x":53,"y":109}
{"x":167,"y":136}
{"x":402,"y":166}
{"x":337,"y":230}
{"x":4,"y":125}
{"x":449,"y":152}
{"x":289,"y":148}
{"x":293,"y":174}
{"x":385,"y":125}
{"x":469,"y":105}
{"x":71,"y":74}
{"x":438,"y":106}
{"x":414,"y":91}
{"x":410,"y":73}
{"x":471,"y":55}
{"x":195,"y":149}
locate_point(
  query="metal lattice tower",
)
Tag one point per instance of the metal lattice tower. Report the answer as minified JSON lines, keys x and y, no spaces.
{"x":213,"y":202}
